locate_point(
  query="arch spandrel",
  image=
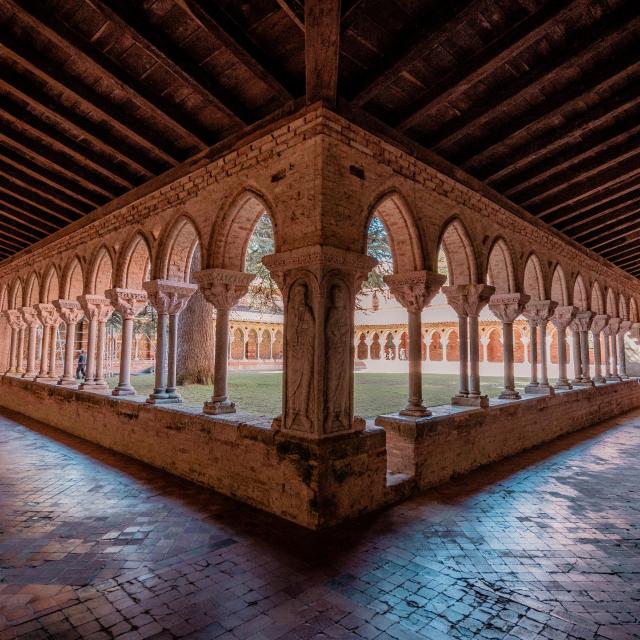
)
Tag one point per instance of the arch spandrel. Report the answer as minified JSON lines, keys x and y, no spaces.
{"x":399,"y":222}
{"x":580,"y":297}
{"x":559,"y":289}
{"x":597,"y":299}
{"x":459,"y":253}
{"x":533,"y":282}
{"x":500,"y":272}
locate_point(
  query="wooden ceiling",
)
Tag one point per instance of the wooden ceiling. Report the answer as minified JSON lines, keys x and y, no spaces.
{"x":539,"y":99}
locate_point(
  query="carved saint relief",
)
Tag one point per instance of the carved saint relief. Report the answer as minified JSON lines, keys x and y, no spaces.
{"x":338,"y":359}
{"x":300,"y":353}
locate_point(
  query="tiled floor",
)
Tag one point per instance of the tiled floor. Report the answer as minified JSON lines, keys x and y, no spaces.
{"x":544,"y":545}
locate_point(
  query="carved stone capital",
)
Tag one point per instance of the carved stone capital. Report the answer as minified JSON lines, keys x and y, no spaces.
{"x":127,"y":302}
{"x":582,"y":321}
{"x":625,"y":326}
{"x":613,"y":327}
{"x":47,"y":314}
{"x":14,"y":318}
{"x":539,"y":311}
{"x":508,"y":306}
{"x":96,"y":307}
{"x":563,"y":316}
{"x":69,"y":310}
{"x":223,"y":288}
{"x":169,"y":297}
{"x":414,"y":290}
{"x":635,"y":331}
{"x":30,"y":316}
{"x":599,"y":323}
{"x":468,"y":299}
{"x":318,"y":259}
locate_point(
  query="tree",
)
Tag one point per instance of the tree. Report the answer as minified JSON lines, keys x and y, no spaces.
{"x":264,"y":294}
{"x":195,"y":361}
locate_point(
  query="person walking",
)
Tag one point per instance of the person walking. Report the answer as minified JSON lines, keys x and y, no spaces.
{"x":80,"y":372}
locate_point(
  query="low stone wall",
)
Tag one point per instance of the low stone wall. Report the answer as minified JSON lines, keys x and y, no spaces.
{"x":455,"y":441}
{"x":315,"y":484}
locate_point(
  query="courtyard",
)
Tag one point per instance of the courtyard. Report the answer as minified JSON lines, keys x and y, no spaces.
{"x":374,"y":393}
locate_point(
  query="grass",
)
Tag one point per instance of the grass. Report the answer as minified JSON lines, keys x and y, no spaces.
{"x":375,"y":393}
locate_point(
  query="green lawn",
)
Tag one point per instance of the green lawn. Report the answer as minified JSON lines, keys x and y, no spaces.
{"x":375,"y":393}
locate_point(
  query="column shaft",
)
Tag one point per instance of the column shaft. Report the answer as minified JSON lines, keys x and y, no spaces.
{"x":415,"y":406}
{"x":51,"y":374}
{"x":68,"y":377}
{"x":544,"y":378}
{"x":474,"y":356}
{"x":607,"y":356}
{"x":160,"y":391}
{"x":124,"y":387}
{"x":614,"y":355}
{"x":20,"y":351}
{"x":172,"y":373}
{"x":509,"y":391}
{"x":597,"y":357}
{"x":563,"y":382}
{"x":577,"y":356}
{"x":622,"y":360}
{"x":31,"y":352}
{"x":220,"y":400}
{"x":100,"y":348}
{"x":13,"y":350}
{"x":44,"y":357}
{"x":533,"y":332}
{"x":584,"y":355}
{"x":90,"y":369}
{"x":464,"y":356}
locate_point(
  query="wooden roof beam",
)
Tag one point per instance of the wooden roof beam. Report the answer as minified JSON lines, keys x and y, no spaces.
{"x":295,"y":11}
{"x":322,"y":50}
{"x":19,"y":234}
{"x":18,"y":214}
{"x":612,"y":224}
{"x":11,"y":192}
{"x":590,"y":223}
{"x":615,"y":235}
{"x":619,"y":251}
{"x":41,"y":20}
{"x":216,"y":22}
{"x":521,"y":36}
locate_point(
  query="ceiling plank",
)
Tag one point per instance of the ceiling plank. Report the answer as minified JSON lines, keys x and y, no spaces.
{"x":18,"y":214}
{"x":322,"y":50}
{"x":13,"y":230}
{"x":589,"y":222}
{"x":150,"y":40}
{"x":234,"y":39}
{"x":12,"y":192}
{"x":521,"y":36}
{"x":594,"y":232}
{"x":41,"y":20}
{"x":614,"y":235}
{"x":294,"y":10}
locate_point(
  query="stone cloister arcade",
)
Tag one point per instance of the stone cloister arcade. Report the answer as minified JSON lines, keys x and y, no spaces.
{"x":142,"y":253}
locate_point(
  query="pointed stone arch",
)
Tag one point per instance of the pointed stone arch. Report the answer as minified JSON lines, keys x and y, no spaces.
{"x":32,"y":290}
{"x":15,"y":294}
{"x":633,"y":310}
{"x":612,"y":307}
{"x":580,"y":296}
{"x":623,"y":310}
{"x":72,"y":280}
{"x":230,"y":238}
{"x":50,"y":285}
{"x":392,"y":210}
{"x":134,"y":263}
{"x":4,"y":297}
{"x":533,"y":284}
{"x":459,"y":253}
{"x":499,"y":272}
{"x":176,"y":249}
{"x":100,"y":278}
{"x":597,"y":299}
{"x":559,"y":289}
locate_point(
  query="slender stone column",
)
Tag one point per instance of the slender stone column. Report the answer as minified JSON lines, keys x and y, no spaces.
{"x":613,"y":328}
{"x":31,"y":321}
{"x":607,"y":352}
{"x":598,"y":324}
{"x":507,"y":307}
{"x":414,"y":291}
{"x":223,"y":288}
{"x":561,"y":319}
{"x":625,"y":326}
{"x":14,"y":318}
{"x":467,"y":301}
{"x":20,"y":355}
{"x":97,"y":309}
{"x":580,"y":327}
{"x":51,"y":374}
{"x":168,"y":299}
{"x":319,"y":285}
{"x":71,"y":313}
{"x":538,"y":312}
{"x":47,"y":315}
{"x":128,"y":303}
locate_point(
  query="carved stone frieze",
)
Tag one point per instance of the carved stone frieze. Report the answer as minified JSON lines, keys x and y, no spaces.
{"x":508,"y":306}
{"x":14,"y":318}
{"x":47,"y":314}
{"x":414,"y":290}
{"x":223,"y":288}
{"x":69,"y":310}
{"x":468,"y":299}
{"x":169,"y":297}
{"x":96,"y":307}
{"x":563,"y":316}
{"x":613,"y":327}
{"x":539,"y":311}
{"x":127,"y":302}
{"x":582,"y":321}
{"x":29,"y":316}
{"x":625,"y":326}
{"x":599,"y":323}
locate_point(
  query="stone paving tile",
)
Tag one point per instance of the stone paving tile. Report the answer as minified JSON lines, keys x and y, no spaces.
{"x":541,"y":546}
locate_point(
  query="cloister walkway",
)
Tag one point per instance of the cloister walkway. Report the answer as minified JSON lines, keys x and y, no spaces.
{"x":542,"y":545}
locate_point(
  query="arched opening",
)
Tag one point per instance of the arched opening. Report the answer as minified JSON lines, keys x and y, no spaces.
{"x":494,"y":346}
{"x":16,"y":298}
{"x":612,"y":307}
{"x":559,"y":291}
{"x":237,"y":345}
{"x":457,"y":253}
{"x":533,"y":278}
{"x":265,"y":345}
{"x":622,"y":308}
{"x":435,"y":347}
{"x":32,"y":291}
{"x":51,"y":286}
{"x":375,"y":347}
{"x":251,"y":347}
{"x":177,"y":251}
{"x":389,"y":347}
{"x":580,"y":297}
{"x":136,"y":264}
{"x":362,"y":351}
{"x":500,"y":272}
{"x":453,"y":346}
{"x":633,"y":310}
{"x":597,"y":300}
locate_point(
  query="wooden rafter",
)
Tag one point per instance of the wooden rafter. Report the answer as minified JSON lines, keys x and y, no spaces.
{"x":295,"y":10}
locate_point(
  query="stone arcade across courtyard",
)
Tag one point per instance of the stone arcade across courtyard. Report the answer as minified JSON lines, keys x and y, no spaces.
{"x":320,"y":177}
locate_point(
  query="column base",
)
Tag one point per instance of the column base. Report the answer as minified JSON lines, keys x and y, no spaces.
{"x":87,"y":385}
{"x":29,"y":376}
{"x":163,"y":399}
{"x":584,"y":383}
{"x":12,"y":374}
{"x":540,"y":389}
{"x":100,"y":385}
{"x":563,"y":385}
{"x":69,"y":383}
{"x":600,"y":380}
{"x":614,"y":379}
{"x":470,"y":401}
{"x":43,"y":378}
{"x":415,"y":411}
{"x":216,"y":407}
{"x":124,"y":390}
{"x":510,"y":394}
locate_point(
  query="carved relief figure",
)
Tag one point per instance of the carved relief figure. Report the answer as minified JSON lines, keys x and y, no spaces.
{"x":300,"y":357}
{"x":338,"y":360}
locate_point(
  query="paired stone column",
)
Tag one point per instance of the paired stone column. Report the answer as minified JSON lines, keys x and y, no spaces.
{"x":467,"y":301}
{"x":71,"y":313}
{"x":612,"y":329}
{"x":168,"y":299}
{"x":538,"y":313}
{"x":625,"y":326}
{"x":52,"y":373}
{"x":319,"y":285}
{"x":30,"y":318}
{"x":598,"y":325}
{"x":223,"y":288}
{"x":128,"y":303}
{"x":14,"y":318}
{"x":414,"y":291}
{"x":561,"y":319}
{"x":97,"y":310}
{"x":580,"y":327}
{"x":507,"y":307}
{"x":48,"y":317}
